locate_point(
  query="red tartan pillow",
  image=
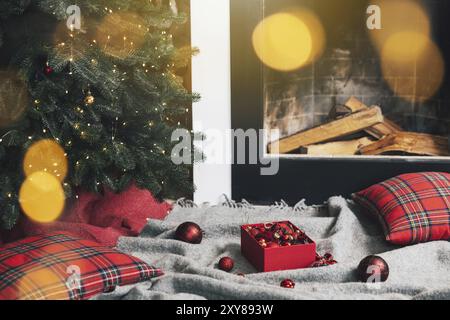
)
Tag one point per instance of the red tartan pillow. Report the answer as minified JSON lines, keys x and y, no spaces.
{"x":58,"y":266}
{"x":413,"y":208}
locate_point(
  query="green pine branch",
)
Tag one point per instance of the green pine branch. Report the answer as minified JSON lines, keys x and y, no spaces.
{"x":122,"y":133}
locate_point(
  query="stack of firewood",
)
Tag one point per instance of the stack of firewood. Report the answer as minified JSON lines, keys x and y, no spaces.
{"x":356,"y":129}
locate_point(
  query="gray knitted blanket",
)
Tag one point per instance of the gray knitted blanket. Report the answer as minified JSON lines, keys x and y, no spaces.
{"x":416,"y":272}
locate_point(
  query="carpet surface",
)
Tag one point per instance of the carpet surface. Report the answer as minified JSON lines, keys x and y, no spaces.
{"x":416,"y":272}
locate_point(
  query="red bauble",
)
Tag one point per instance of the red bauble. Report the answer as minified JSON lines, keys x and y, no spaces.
{"x":273,"y":245}
{"x":189,"y":232}
{"x":226,"y":264}
{"x":254,"y":232}
{"x":48,"y":70}
{"x":373,"y":269}
{"x":287,"y":283}
{"x":328,"y":256}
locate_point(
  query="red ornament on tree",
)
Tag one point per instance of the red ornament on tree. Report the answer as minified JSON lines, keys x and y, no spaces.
{"x":373,"y":269}
{"x":226,"y":264}
{"x":48,"y":70}
{"x":189,"y":232}
{"x":287,"y":283}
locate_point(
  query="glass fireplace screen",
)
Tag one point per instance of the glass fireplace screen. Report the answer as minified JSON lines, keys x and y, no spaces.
{"x":355,"y":77}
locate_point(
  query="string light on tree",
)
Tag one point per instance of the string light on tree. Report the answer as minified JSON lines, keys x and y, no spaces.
{"x":89,"y":99}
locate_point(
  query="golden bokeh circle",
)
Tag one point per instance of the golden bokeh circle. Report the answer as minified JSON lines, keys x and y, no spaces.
{"x":400,"y":16}
{"x":48,"y":156}
{"x":41,"y":197}
{"x":51,"y":287}
{"x":289,"y":40}
{"x":412,"y":65}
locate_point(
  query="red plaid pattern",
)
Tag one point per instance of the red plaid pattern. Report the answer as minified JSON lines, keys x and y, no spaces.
{"x":58,"y":266}
{"x":413,"y":208}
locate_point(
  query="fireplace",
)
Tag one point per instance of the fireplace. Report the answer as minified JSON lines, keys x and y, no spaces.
{"x":365,"y":96}
{"x":358,"y":64}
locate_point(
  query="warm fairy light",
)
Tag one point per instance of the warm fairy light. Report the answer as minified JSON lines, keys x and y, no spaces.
{"x":119,"y":34}
{"x":400,"y":16}
{"x":46,"y":155}
{"x":289,"y":40}
{"x":412,"y":65}
{"x":42,"y":197}
{"x":411,"y":62}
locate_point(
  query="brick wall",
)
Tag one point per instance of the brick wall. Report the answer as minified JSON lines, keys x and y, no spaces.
{"x":350,"y":66}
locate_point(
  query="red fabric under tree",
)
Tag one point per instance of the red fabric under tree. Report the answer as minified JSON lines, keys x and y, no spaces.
{"x":100,"y":218}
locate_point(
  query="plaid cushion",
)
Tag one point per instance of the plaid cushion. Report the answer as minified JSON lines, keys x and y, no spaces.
{"x":413,"y":208}
{"x":58,"y":266}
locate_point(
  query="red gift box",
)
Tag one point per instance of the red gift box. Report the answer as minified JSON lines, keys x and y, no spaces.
{"x":297,"y":256}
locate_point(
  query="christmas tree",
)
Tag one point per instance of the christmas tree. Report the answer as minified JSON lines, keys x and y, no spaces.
{"x":104,"y":84}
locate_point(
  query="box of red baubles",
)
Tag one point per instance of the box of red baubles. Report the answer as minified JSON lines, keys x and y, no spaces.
{"x":277,"y":246}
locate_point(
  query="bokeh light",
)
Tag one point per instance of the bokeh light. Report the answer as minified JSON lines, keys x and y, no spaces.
{"x":13,"y":98}
{"x":412,"y":65}
{"x":48,"y":156}
{"x":120,"y":34}
{"x":400,"y":16}
{"x":289,"y":40}
{"x":48,"y":281}
{"x":42,"y":197}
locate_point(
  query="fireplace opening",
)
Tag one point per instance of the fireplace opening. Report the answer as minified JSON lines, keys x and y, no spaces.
{"x":355,"y":77}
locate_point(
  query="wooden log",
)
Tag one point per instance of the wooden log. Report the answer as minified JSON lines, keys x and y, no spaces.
{"x":351,"y":106}
{"x":383,"y":129}
{"x":332,"y":130}
{"x":338,"y":148}
{"x":354,"y":105}
{"x":338,"y":111}
{"x":409,"y":142}
{"x":378,"y":131}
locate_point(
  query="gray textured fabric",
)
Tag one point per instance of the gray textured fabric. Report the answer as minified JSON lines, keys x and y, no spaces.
{"x":417,"y":272}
